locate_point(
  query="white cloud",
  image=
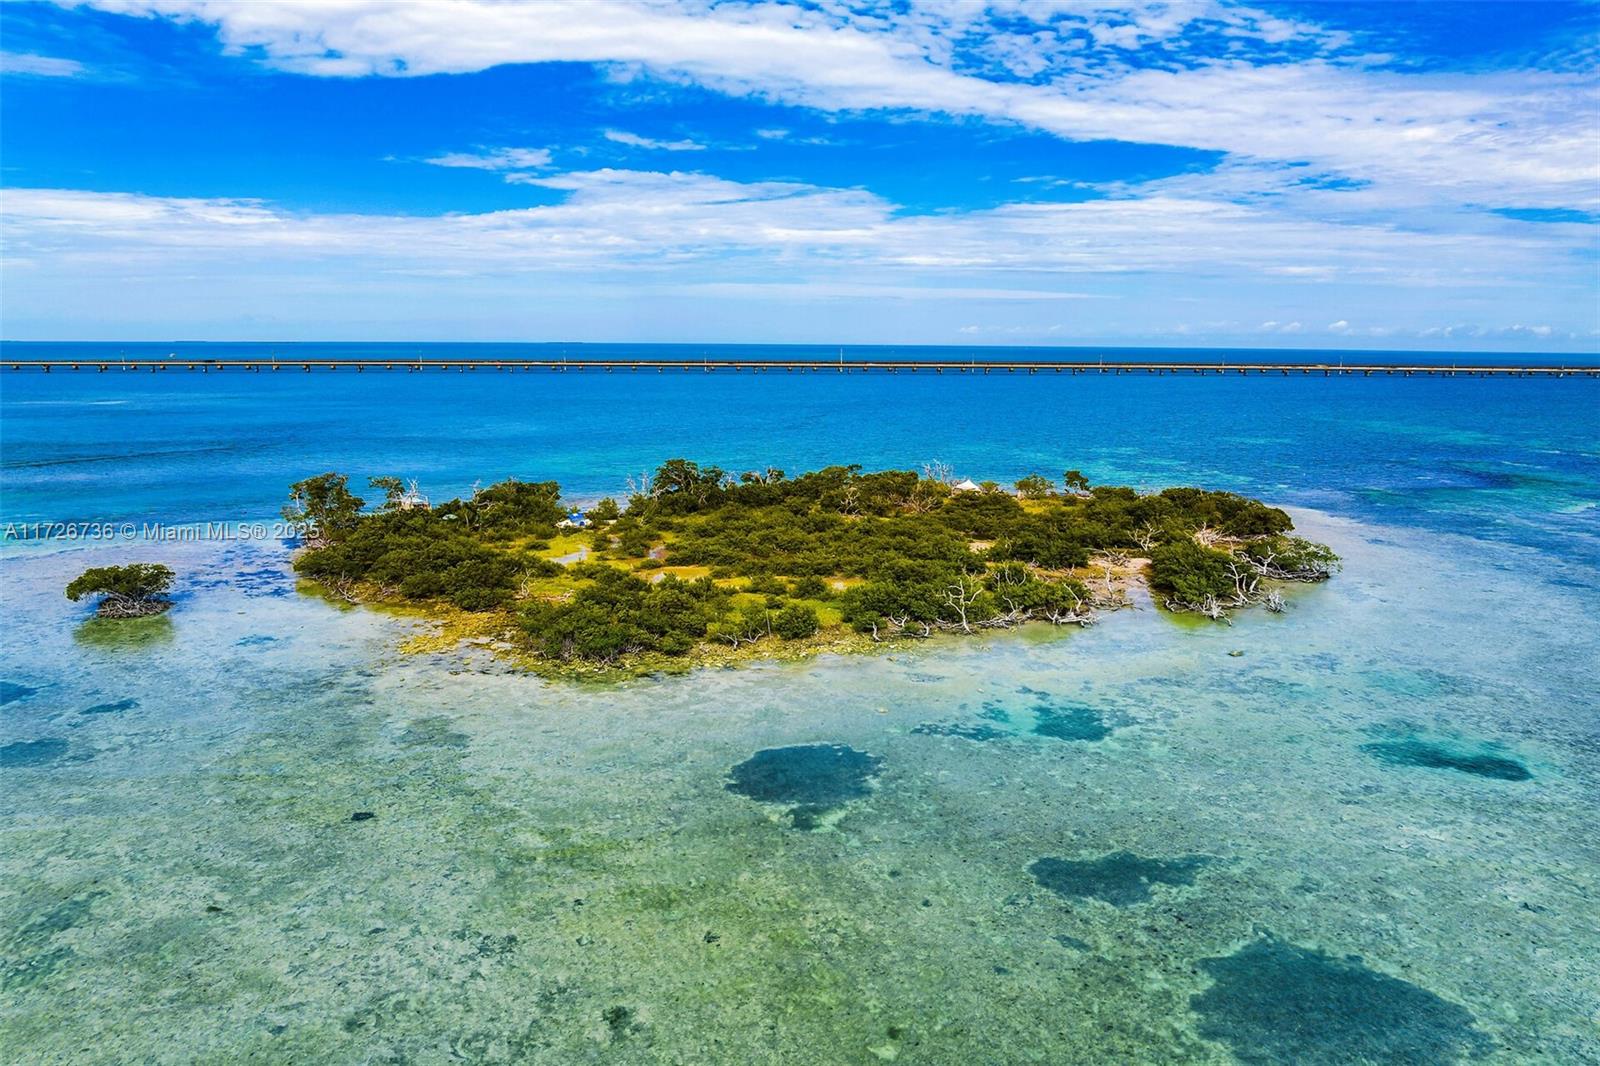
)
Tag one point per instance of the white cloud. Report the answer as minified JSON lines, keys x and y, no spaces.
{"x":1015,"y":331}
{"x":826,"y":290}
{"x":701,"y":257}
{"x":614,"y":219}
{"x":633,"y":140}
{"x":1347,"y":182}
{"x":1468,"y":137}
{"x":39,"y":66}
{"x":495,"y":159}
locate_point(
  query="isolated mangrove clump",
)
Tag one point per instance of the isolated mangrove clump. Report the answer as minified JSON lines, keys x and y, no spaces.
{"x":1211,"y":573}
{"x":131,"y":591}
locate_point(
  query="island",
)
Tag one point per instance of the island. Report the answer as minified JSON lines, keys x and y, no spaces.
{"x":136,"y":590}
{"x":702,"y":566}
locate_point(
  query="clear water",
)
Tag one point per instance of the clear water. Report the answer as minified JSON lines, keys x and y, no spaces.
{"x":1368,"y":838}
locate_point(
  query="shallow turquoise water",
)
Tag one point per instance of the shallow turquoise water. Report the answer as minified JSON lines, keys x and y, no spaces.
{"x":1368,"y":838}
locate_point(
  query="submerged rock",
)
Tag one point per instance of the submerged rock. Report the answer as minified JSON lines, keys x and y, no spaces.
{"x":811,"y":779}
{"x":1064,"y":721}
{"x":33,"y":752}
{"x":111,"y":708}
{"x":1120,"y":879}
{"x":1480,"y":760}
{"x":994,"y":712}
{"x":68,"y":914}
{"x":433,"y":731}
{"x":622,"y":1022}
{"x":31,"y":952}
{"x":1274,"y":1002}
{"x":960,"y":729}
{"x":1070,"y":722}
{"x":11,"y":691}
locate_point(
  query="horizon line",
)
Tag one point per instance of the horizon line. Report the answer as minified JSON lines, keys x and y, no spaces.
{"x":838,"y":346}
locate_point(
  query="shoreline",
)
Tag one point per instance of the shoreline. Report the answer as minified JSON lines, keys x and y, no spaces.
{"x":449,"y":630}
{"x":444,"y":629}
{"x":700,"y":557}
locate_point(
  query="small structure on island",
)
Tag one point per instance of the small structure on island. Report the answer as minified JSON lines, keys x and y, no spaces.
{"x":968,"y":485}
{"x":575,"y":520}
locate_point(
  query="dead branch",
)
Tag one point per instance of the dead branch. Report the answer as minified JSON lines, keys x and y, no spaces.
{"x":118,"y":606}
{"x":943,"y":473}
{"x":961,"y":596}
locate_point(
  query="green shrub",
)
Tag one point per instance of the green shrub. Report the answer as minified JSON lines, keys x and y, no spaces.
{"x":125,"y":591}
{"x":1189,"y":573}
{"x":633,"y":538}
{"x":619,"y":614}
{"x":749,"y":623}
{"x":1294,"y":557}
{"x":811,"y":587}
{"x":984,"y":515}
{"x":135,"y":581}
{"x":322,"y":508}
{"x":1053,"y":541}
{"x":907,"y":538}
{"x":796,"y":622}
{"x":767,"y":585}
{"x":1035,"y":487}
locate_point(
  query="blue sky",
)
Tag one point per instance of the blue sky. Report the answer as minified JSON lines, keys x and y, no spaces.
{"x":1390,"y":175}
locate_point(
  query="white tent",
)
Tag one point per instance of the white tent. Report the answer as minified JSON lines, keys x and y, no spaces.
{"x":967,"y":486}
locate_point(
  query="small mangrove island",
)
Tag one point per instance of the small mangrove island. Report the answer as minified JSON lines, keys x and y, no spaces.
{"x":704,"y":566}
{"x":136,"y":590}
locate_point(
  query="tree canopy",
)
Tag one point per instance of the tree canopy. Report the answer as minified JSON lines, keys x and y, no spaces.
{"x":323,"y":508}
{"x":701,"y":558}
{"x":125,"y":591}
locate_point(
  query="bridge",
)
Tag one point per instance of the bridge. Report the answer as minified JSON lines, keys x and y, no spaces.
{"x":791,"y":366}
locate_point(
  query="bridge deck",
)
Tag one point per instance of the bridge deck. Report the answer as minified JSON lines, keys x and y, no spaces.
{"x":889,"y":366}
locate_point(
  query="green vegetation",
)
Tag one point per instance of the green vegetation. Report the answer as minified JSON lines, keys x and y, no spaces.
{"x":701,"y":559}
{"x":473,"y":554}
{"x":796,"y":622}
{"x":1035,"y":487}
{"x":131,"y":591}
{"x":323,"y":509}
{"x":1190,"y":572}
{"x":1210,"y":575}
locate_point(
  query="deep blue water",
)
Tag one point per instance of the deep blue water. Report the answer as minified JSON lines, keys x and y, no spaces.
{"x":1514,"y":460}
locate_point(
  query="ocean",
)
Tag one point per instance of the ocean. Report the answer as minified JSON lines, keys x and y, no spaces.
{"x":1360,"y":831}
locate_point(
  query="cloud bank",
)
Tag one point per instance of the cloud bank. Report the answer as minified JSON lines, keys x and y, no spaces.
{"x":1380,"y":195}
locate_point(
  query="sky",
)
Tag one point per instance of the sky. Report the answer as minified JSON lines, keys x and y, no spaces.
{"x":1386,"y":175}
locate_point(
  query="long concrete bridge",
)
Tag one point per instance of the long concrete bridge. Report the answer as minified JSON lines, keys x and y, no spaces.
{"x":792,"y":366}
